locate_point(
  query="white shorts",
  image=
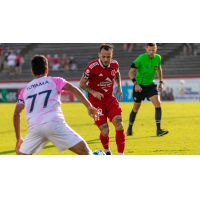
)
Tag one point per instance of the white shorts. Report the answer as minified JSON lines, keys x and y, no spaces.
{"x":59,"y":133}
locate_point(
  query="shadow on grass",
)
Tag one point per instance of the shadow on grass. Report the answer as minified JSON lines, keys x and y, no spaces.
{"x":52,"y":146}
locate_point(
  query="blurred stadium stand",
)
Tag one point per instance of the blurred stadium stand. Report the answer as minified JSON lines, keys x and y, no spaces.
{"x":173,"y":61}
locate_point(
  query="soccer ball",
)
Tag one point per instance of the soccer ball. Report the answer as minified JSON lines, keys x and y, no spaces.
{"x":98,"y":152}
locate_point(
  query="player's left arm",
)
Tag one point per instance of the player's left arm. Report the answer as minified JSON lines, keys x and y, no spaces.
{"x":16,"y":121}
{"x":160,"y":76}
{"x":119,"y":85}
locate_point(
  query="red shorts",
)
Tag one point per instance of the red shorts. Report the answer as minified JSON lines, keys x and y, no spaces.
{"x":109,"y":110}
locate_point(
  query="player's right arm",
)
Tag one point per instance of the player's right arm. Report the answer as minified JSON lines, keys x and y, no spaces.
{"x":132,"y":76}
{"x":16,"y":120}
{"x":84,"y":86}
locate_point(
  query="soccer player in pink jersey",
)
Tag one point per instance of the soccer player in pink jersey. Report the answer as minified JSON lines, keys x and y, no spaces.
{"x":100,"y":75}
{"x":46,"y":123}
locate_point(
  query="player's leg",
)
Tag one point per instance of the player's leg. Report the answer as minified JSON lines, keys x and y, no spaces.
{"x":104,"y":128}
{"x":81,"y":148}
{"x":64,"y":137}
{"x":158,"y":113}
{"x":114,"y":113}
{"x":104,"y":137}
{"x":132,"y":117}
{"x":34,"y":141}
{"x":120,"y":135}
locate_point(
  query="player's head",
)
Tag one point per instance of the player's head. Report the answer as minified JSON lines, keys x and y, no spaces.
{"x":106,"y":54}
{"x":39,"y":65}
{"x":151,"y":49}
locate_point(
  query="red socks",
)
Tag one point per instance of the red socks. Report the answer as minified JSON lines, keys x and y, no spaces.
{"x":104,"y":141}
{"x":120,"y":141}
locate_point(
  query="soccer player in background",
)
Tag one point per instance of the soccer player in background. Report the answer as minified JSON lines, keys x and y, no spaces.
{"x":100,"y":75}
{"x":46,"y":123}
{"x":144,"y":87}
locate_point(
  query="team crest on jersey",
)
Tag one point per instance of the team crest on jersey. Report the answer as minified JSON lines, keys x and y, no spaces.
{"x":113,"y":72}
{"x":135,"y":62}
{"x":147,"y":66}
{"x":155,"y":68}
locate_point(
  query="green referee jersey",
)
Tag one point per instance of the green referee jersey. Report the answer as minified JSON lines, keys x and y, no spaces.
{"x":146,"y":68}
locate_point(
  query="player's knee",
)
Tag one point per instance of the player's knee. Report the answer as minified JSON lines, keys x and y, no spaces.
{"x":158,"y":104}
{"x":105,"y":132}
{"x":119,"y":126}
{"x":136,"y":109}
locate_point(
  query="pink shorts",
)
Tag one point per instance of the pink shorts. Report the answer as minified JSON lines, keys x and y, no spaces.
{"x":109,"y":110}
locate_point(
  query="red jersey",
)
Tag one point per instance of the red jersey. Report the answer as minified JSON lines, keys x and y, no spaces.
{"x":18,"y":58}
{"x":1,"y":51}
{"x":56,"y":61}
{"x":101,"y":79}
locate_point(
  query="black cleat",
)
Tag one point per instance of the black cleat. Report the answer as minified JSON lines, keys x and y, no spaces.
{"x":129,"y":133}
{"x":161,"y":132}
{"x":109,"y":153}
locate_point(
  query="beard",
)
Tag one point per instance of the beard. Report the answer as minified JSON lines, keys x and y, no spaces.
{"x":104,"y":64}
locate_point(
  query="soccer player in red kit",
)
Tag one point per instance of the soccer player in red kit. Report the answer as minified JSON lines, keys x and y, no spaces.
{"x":100,"y":75}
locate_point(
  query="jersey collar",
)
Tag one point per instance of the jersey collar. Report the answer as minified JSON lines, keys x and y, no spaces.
{"x":102,"y":64}
{"x":149,"y":57}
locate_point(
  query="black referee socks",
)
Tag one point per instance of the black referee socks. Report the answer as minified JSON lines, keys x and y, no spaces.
{"x":158,"y":117}
{"x":131,"y":120}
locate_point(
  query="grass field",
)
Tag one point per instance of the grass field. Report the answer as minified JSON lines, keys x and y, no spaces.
{"x":181,"y":119}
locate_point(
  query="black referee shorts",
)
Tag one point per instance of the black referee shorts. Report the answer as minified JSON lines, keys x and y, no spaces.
{"x":148,"y":91}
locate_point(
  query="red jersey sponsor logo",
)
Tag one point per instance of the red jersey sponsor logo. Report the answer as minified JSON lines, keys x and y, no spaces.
{"x":105,"y":85}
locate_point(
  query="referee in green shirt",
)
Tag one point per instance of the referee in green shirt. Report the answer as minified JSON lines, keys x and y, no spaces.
{"x":144,"y":87}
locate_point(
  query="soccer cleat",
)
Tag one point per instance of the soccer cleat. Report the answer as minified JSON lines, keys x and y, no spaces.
{"x":161,"y":132}
{"x":129,"y":133}
{"x":108,"y":153}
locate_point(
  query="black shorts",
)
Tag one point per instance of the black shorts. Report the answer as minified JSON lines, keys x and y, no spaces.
{"x":148,"y":91}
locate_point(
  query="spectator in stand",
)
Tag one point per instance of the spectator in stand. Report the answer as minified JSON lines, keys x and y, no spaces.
{"x":73,"y":65}
{"x":19,"y":61}
{"x":5,"y":58}
{"x":1,"y":60}
{"x":11,"y":62}
{"x":195,"y":49}
{"x":56,"y":63}
{"x":128,"y":46}
{"x":187,"y":48}
{"x":49,"y":58}
{"x":65,"y":63}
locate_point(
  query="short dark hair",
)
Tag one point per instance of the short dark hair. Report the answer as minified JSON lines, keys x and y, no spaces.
{"x":151,"y":45}
{"x":39,"y":64}
{"x":106,"y":47}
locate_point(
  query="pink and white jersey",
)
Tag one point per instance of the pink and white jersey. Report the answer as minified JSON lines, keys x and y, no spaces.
{"x":41,"y":98}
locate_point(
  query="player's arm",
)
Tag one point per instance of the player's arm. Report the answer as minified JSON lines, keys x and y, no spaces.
{"x":93,"y":112}
{"x":84,"y":86}
{"x":16,"y":120}
{"x":132,"y":77}
{"x":119,"y":85}
{"x":160,"y":76}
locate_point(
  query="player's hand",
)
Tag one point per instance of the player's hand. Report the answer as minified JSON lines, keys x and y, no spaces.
{"x":138,"y":88}
{"x":160,"y":87}
{"x":98,"y":95}
{"x":94,"y":113}
{"x":18,"y":145}
{"x":119,"y":91}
